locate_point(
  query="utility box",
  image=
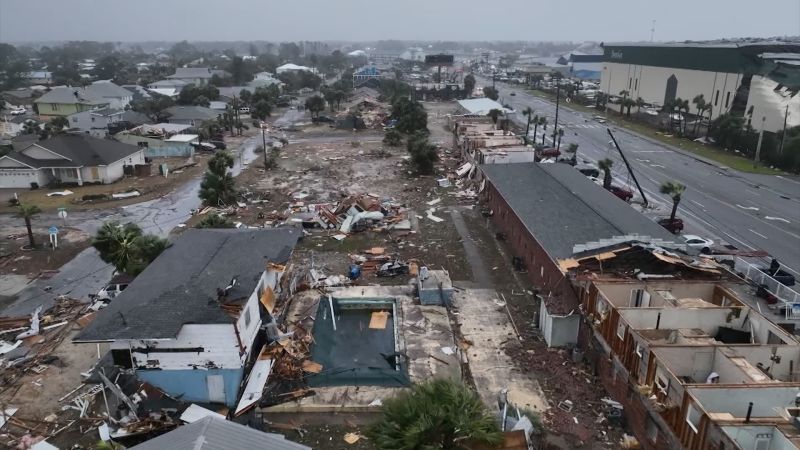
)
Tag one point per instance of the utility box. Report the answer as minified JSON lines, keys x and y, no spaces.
{"x":434,"y":287}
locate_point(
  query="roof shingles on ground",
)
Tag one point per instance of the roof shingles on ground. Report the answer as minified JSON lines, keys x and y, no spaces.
{"x":213,"y":433}
{"x":562,"y":208}
{"x":181,"y":285}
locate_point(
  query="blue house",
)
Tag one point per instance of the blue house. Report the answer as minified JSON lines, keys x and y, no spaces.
{"x":189,"y":322}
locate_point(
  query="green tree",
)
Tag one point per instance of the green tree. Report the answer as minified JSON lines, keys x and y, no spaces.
{"x":543,"y":123}
{"x":215,"y":221}
{"x":315,"y":104}
{"x":560,"y":135}
{"x":423,"y":153}
{"x":410,"y":114}
{"x":573,"y":150}
{"x":261,"y":110}
{"x":624,"y":94}
{"x":605,"y":165}
{"x":218,"y":187}
{"x":153,"y":107}
{"x":392,"y":138}
{"x":27,"y":212}
{"x":495,"y":115}
{"x":536,"y":121}
{"x":59,"y":124}
{"x":491,"y":93}
{"x":438,"y":414}
{"x":639,"y":103}
{"x":702,"y":106}
{"x":727,"y":130}
{"x":469,"y":84}
{"x":127,"y":247}
{"x":528,"y":113}
{"x":201,"y":100}
{"x":674,"y":190}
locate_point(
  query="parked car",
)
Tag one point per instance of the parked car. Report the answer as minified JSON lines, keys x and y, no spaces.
{"x":674,"y":226}
{"x":244,"y":110}
{"x":621,"y":192}
{"x":512,"y":93}
{"x":699,"y":243}
{"x":548,"y":153}
{"x":207,"y":146}
{"x":117,"y":284}
{"x":219,"y":145}
{"x":18,"y":111}
{"x":589,"y":171}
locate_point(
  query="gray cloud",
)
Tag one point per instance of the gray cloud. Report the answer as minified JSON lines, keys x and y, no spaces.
{"x":533,"y":20}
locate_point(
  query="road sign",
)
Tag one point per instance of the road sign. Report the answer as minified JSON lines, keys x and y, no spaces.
{"x":53,"y":230}
{"x":62,"y":213}
{"x":53,"y":236}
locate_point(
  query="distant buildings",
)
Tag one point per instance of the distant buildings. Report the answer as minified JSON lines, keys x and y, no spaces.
{"x":191,"y":115}
{"x":759,"y":80}
{"x":199,"y":76}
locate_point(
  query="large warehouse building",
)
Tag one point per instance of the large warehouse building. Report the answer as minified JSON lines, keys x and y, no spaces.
{"x":760,"y":79}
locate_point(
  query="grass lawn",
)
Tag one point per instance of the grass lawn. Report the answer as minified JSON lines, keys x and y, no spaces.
{"x":727,"y":159}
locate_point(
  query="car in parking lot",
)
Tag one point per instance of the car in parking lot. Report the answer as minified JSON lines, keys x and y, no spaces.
{"x":698,"y":243}
{"x":244,"y":110}
{"x":18,"y":111}
{"x":219,"y":145}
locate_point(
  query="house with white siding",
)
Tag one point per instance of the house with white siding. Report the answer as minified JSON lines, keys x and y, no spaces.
{"x":191,"y":322}
{"x":68,"y":159}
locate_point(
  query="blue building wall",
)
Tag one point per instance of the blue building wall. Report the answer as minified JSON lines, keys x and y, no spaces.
{"x":191,"y":385}
{"x":156,"y":148}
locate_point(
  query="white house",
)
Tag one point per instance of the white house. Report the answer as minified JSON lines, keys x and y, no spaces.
{"x":68,"y":158}
{"x":188,"y":324}
{"x":289,"y":67}
{"x":115,"y":96}
{"x":198,"y":76}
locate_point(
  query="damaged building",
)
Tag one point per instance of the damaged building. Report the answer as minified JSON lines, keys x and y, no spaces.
{"x":192,"y":321}
{"x":550,"y":212}
{"x":677,"y":343}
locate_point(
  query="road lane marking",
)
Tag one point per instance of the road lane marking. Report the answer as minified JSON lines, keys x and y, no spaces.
{"x":757,"y":233}
{"x":698,"y":204}
{"x":749,"y":208}
{"x":780,"y":219}
{"x":753,"y":192}
{"x":657,"y":165}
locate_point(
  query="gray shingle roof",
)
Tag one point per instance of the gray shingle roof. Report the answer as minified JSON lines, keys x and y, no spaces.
{"x":191,"y":113}
{"x":563,"y":208}
{"x":180,"y":286}
{"x":213,"y":433}
{"x":107,"y":89}
{"x":81,"y":150}
{"x":191,"y":72}
{"x":71,"y":95}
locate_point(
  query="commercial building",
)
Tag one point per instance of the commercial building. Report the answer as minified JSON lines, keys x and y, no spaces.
{"x":550,"y":212}
{"x":759,"y":79}
{"x":189,"y":323}
{"x":677,"y":342}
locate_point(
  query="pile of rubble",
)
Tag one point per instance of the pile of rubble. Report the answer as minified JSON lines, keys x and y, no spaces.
{"x":351,"y":215}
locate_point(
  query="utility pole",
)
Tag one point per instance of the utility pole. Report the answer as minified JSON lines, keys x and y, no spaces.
{"x":653,"y":31}
{"x":494,"y":73}
{"x":760,"y":138}
{"x":783,"y":136}
{"x":264,"y":141}
{"x":558,"y":95}
{"x":630,"y":171}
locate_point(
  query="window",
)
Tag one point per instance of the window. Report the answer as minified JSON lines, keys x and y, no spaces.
{"x":716,"y":98}
{"x":621,"y":330}
{"x":762,"y":441}
{"x":75,"y":120}
{"x":652,"y":430}
{"x":122,"y":358}
{"x":54,"y":106}
{"x":636,"y":84}
{"x":92,"y":119}
{"x":693,"y":418}
{"x":247,"y":318}
{"x":727,"y":99}
{"x":638,"y":350}
{"x":630,"y":82}
{"x":662,"y":382}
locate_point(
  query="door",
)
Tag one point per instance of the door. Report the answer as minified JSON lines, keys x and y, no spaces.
{"x":95,"y":173}
{"x":216,"y":388}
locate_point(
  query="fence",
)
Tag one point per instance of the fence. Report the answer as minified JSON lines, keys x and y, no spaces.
{"x":755,"y":275}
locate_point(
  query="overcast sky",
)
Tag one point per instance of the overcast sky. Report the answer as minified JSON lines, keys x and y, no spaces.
{"x":291,"y":20}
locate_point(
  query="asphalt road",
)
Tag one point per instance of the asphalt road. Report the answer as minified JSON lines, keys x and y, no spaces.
{"x":749,"y":211}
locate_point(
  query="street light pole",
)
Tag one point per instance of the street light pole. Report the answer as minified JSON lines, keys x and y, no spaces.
{"x":558,"y":95}
{"x":760,"y":138}
{"x":783,"y":136}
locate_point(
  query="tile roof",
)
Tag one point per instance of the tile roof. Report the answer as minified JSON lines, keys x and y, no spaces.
{"x":181,"y":285}
{"x":212,"y":433}
{"x":562,"y":208}
{"x":71,"y":95}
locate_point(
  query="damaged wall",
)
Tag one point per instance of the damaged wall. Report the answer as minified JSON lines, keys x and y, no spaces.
{"x":558,"y":330}
{"x":198,"y":385}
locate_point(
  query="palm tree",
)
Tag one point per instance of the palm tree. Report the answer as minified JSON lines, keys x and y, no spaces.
{"x":624,"y":94}
{"x":528,"y":113}
{"x":27,"y":212}
{"x":30,"y":127}
{"x":440,"y":414}
{"x":215,"y":221}
{"x":126,"y":247}
{"x":560,"y":135}
{"x":573,"y":149}
{"x":639,"y":103}
{"x":605,"y":166}
{"x":543,"y":123}
{"x":674,"y":190}
{"x":217,"y":189}
{"x":536,"y":120}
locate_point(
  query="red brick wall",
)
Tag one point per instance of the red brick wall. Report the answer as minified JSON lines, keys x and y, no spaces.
{"x":542,"y":271}
{"x":614,"y":378}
